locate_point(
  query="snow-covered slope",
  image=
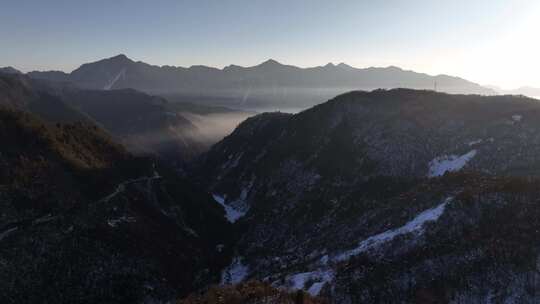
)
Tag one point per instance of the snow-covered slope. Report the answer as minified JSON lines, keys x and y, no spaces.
{"x":356,"y":190}
{"x":449,"y":163}
{"x":414,"y":226}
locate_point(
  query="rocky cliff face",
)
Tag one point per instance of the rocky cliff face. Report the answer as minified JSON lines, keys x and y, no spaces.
{"x":399,"y":195}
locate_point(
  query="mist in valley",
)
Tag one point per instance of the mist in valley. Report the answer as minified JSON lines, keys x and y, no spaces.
{"x":276,"y":152}
{"x":215,"y":126}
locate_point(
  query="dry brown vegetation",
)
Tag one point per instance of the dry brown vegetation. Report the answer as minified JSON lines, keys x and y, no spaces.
{"x":251,"y":292}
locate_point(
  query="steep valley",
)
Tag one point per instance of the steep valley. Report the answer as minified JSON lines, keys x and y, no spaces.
{"x":389,"y":196}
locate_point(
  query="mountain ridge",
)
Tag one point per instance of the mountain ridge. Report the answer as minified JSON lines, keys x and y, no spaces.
{"x":122,"y":58}
{"x":269,"y":83}
{"x":401,"y":187}
{"x":103,"y":225}
{"x":145,"y":124}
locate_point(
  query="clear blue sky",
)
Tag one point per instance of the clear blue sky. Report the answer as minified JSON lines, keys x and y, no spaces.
{"x":487,"y":41}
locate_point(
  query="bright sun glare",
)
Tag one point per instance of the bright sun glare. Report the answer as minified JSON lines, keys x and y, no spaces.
{"x":513,"y":58}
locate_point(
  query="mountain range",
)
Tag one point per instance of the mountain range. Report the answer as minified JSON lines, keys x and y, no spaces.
{"x":115,"y":194}
{"x":145,"y":124}
{"x":269,"y":84}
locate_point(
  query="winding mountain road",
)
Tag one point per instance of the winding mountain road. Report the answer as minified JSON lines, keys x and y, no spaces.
{"x":11,"y":228}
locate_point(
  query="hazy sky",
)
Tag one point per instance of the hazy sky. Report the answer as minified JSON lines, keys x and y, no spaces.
{"x":486,"y":41}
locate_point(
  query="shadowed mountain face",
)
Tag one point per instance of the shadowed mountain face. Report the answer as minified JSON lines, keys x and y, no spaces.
{"x":83,"y":221}
{"x":269,"y":84}
{"x":145,"y":124}
{"x":142,"y":122}
{"x":393,"y":133}
{"x":384,"y":195}
{"x":22,"y":93}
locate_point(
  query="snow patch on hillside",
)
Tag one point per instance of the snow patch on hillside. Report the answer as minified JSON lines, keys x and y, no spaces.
{"x":234,"y":273}
{"x":111,"y":82}
{"x":449,"y":163}
{"x":123,"y":219}
{"x":415,"y":225}
{"x":232,"y":161}
{"x":4,"y":234}
{"x":231,"y":213}
{"x":318,"y":278}
{"x":475,"y":142}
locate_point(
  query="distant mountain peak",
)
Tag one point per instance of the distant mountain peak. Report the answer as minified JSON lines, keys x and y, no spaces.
{"x":121,"y":58}
{"x":270,"y":62}
{"x":394,"y":68}
{"x":330,"y":65}
{"x":232,"y":67}
{"x":344,"y":66}
{"x":9,"y":70}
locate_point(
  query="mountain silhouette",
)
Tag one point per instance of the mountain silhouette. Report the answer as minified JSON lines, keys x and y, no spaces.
{"x":270,"y":83}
